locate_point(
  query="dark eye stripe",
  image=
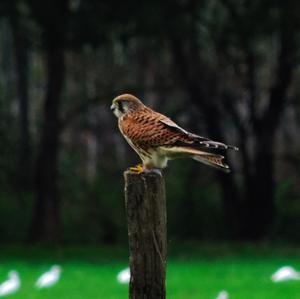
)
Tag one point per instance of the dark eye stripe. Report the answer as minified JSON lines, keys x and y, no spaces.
{"x":121,"y":108}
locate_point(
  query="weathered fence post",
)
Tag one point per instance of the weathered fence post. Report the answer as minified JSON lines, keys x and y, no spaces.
{"x":146,"y":215}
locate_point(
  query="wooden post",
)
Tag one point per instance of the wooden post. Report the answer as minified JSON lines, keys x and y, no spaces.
{"x":146,"y":215}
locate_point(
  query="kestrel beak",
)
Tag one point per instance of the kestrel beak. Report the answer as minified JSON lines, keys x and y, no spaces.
{"x":112,"y":107}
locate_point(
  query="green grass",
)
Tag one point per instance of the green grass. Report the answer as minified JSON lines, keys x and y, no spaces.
{"x":194,"y":272}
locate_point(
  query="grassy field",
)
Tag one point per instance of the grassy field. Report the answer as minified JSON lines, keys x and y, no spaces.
{"x":194,"y":272}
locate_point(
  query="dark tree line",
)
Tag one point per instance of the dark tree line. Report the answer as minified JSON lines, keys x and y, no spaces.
{"x":227,"y":67}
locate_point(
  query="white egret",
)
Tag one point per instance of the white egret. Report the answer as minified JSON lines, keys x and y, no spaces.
{"x":48,"y":279}
{"x":11,"y":285}
{"x":223,"y":295}
{"x":285,"y":273}
{"x":124,"y":276}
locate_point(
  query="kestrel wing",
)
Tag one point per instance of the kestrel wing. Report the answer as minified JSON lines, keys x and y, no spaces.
{"x":152,"y":129}
{"x":173,"y":126}
{"x":193,"y":138}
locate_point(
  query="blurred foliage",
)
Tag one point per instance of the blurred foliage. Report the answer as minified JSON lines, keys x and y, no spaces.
{"x":226,"y":69}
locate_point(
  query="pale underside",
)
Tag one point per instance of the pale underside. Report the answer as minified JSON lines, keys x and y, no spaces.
{"x":153,"y":158}
{"x":158,"y":157}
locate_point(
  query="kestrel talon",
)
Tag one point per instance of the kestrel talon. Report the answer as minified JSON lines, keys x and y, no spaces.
{"x":157,"y":139}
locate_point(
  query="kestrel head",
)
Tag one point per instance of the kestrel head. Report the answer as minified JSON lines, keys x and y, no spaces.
{"x":125,"y":104}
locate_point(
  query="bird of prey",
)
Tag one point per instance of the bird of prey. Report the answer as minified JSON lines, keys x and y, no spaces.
{"x":157,"y":139}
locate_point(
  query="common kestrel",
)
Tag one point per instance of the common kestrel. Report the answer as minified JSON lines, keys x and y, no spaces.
{"x":157,"y":139}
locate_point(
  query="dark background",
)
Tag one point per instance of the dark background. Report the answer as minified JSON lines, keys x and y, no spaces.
{"x":225,"y":69}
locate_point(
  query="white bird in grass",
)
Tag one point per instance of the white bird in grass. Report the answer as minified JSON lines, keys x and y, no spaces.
{"x":124,"y":276}
{"x":285,"y":273}
{"x":48,"y":279}
{"x":11,"y":285}
{"x":223,"y":295}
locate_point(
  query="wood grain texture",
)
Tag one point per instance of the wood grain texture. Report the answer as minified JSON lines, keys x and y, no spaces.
{"x":146,"y":215}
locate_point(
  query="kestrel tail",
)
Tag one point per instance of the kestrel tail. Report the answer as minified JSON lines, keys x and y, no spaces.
{"x":157,"y":139}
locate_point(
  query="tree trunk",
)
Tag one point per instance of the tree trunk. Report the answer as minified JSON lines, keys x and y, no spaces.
{"x":21,"y":55}
{"x":190,"y":73}
{"x":229,"y":191}
{"x":46,"y":224}
{"x":260,"y":202}
{"x":260,"y":197}
{"x":146,"y":216}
